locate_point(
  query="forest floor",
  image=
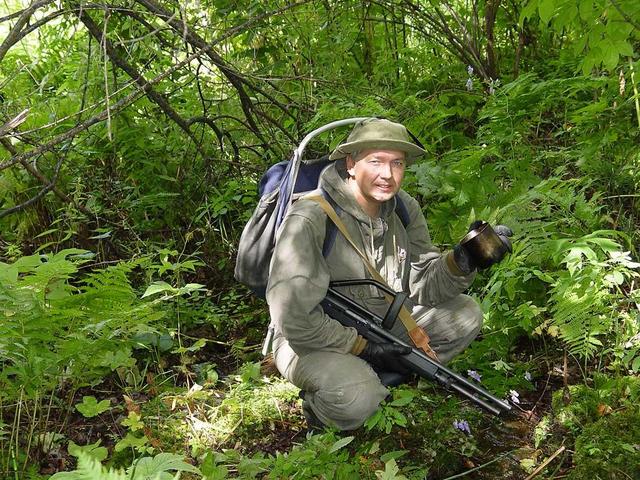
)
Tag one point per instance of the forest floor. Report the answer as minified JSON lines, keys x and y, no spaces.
{"x":252,"y":419}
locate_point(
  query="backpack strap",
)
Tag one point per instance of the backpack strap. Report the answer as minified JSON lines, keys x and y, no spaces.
{"x":402,"y":212}
{"x":332,"y":230}
{"x":417,"y":334}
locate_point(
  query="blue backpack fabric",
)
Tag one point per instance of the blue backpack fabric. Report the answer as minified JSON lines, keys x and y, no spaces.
{"x":258,"y":237}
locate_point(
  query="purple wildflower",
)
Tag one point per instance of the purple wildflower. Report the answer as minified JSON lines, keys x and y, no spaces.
{"x":514,"y":396}
{"x":475,"y":375}
{"x":527,"y":376}
{"x":469,"y":84}
{"x":462,"y":425}
{"x":469,"y":70}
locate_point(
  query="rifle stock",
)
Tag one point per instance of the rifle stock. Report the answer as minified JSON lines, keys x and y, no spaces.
{"x":351,"y":314}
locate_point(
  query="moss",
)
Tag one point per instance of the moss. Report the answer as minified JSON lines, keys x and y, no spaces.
{"x":196,"y":421}
{"x":609,"y":448}
{"x":587,"y":404}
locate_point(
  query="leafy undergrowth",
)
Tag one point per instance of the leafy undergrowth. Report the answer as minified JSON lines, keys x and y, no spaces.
{"x":250,"y":425}
{"x":139,"y":400}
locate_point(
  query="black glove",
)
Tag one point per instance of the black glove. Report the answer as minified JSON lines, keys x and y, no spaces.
{"x":504,"y":233}
{"x":385,"y":356}
{"x":463,"y":260}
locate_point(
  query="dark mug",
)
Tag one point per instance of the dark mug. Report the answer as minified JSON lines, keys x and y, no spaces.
{"x":484,"y":246}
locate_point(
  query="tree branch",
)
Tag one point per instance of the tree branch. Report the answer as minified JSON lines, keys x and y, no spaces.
{"x":44,"y":180}
{"x":14,"y":34}
{"x":49,"y":186}
{"x":237,"y":80}
{"x":117,"y":60}
{"x":133,"y":96}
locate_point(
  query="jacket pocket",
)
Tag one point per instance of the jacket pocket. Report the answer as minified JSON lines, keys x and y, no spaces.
{"x":370,"y":298}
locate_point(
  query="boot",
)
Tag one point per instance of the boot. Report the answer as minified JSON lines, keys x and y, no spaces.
{"x":313,"y":422}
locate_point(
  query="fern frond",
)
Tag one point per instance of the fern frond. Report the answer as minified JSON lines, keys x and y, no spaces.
{"x":90,"y":469}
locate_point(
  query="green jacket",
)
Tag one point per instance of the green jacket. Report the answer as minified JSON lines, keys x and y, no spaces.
{"x":299,"y":274}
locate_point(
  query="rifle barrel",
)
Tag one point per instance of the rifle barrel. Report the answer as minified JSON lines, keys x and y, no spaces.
{"x":345,"y":310}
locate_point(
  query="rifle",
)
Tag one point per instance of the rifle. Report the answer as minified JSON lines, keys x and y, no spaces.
{"x":375,"y":328}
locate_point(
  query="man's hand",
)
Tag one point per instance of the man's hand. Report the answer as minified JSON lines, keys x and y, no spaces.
{"x":504,"y":233}
{"x":386,"y":356}
{"x":463,"y":260}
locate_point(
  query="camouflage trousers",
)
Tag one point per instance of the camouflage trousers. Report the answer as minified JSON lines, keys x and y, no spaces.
{"x":343,"y":390}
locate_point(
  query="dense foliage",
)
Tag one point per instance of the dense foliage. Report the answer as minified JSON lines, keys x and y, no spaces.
{"x":132,"y":137}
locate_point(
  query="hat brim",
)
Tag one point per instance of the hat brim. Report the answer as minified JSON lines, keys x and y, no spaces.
{"x":412,"y":150}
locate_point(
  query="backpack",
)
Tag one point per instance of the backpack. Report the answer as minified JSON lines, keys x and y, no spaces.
{"x":277,"y":189}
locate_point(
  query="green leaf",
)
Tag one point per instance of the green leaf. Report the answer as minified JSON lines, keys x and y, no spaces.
{"x":190,"y":287}
{"x":91,"y":408}
{"x":216,"y":472}
{"x":343,"y":442}
{"x":390,"y":472}
{"x":623,"y":47}
{"x":130,"y":440}
{"x":611,"y":55}
{"x":101,"y":236}
{"x":402,"y":398}
{"x":211,"y":470}
{"x":546,"y":8}
{"x":158,"y":287}
{"x":629,"y":448}
{"x":148,"y":468}
{"x":250,"y":371}
{"x":90,"y":469}
{"x":120,"y":358}
{"x":527,"y":11}
{"x":635,"y":365}
{"x":133,"y":421}
{"x":46,"y":232}
{"x":193,"y":348}
{"x":615,"y":278}
{"x":393,"y":455}
{"x":94,"y":450}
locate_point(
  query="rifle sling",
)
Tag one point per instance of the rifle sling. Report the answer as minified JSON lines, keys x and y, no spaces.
{"x":417,"y":334}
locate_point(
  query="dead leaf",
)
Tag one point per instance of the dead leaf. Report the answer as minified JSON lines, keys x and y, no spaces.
{"x":131,"y":405}
{"x":604,"y":409}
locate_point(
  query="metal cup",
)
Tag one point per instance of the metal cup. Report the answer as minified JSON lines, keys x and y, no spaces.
{"x":484,"y":246}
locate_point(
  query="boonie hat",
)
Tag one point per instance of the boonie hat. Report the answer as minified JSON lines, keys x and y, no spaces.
{"x":380,"y":134}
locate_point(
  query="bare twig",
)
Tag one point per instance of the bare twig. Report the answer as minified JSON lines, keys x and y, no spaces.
{"x":133,"y":96}
{"x":237,"y":80}
{"x":13,"y":123}
{"x":14,"y":34}
{"x":44,"y":180}
{"x":479,"y":467}
{"x":540,"y":397}
{"x":635,"y":91}
{"x":114,"y":56}
{"x":545,"y":463}
{"x":40,"y":194}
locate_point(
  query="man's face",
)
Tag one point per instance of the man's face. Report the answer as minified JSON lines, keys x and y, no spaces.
{"x":377,"y":176}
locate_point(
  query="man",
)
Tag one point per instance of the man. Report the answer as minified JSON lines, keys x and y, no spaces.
{"x":331,"y":363}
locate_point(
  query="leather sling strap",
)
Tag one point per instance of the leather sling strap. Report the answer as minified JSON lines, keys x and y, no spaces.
{"x":417,"y":334}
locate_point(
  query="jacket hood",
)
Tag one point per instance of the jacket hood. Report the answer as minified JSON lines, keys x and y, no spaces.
{"x":332,"y":182}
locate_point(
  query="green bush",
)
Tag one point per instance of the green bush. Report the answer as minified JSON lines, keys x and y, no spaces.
{"x":609,"y":448}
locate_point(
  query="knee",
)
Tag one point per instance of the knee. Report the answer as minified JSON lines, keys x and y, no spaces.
{"x":472,"y":314}
{"x":348,"y":406}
